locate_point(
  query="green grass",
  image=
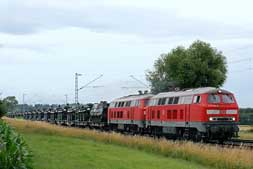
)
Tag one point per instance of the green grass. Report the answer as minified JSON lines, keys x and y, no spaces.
{"x":58,"y":152}
{"x":201,"y":154}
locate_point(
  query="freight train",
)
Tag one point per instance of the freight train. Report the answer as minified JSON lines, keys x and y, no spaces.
{"x":200,"y":114}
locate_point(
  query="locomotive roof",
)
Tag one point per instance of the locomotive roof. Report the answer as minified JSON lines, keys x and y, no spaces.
{"x":133,"y":97}
{"x":190,"y":92}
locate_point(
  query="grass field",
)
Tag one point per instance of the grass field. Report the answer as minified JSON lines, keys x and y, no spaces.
{"x":63,"y":152}
{"x":246,"y":132}
{"x":58,"y":152}
{"x":49,"y":143}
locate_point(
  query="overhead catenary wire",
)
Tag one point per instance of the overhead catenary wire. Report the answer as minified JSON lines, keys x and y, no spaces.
{"x":139,"y":81}
{"x":240,"y":60}
{"x":133,"y":87}
{"x":86,"y":85}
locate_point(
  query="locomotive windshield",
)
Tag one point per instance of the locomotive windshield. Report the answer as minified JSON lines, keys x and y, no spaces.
{"x":226,"y":98}
{"x":213,"y":98}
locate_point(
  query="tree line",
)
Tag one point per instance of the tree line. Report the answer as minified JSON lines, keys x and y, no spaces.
{"x":246,"y":116}
{"x":8,"y":104}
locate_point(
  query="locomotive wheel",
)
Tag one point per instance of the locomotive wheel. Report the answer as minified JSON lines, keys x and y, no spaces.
{"x":197,"y":137}
{"x":186,"y":134}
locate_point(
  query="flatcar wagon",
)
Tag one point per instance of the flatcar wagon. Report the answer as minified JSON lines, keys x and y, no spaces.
{"x":71,"y":113}
{"x":98,"y":115}
{"x":83,"y":115}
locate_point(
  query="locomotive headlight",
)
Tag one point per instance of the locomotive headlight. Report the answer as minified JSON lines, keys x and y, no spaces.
{"x":231,"y":112}
{"x":213,"y":111}
{"x":211,"y":118}
{"x":233,"y":119}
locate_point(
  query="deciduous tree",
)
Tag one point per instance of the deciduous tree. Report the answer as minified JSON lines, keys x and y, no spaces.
{"x":200,"y":65}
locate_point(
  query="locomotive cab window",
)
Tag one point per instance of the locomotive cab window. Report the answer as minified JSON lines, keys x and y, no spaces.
{"x":197,"y":99}
{"x":213,"y":98}
{"x":137,"y":103}
{"x":113,"y":104}
{"x":146,"y":102}
{"x":152,"y":102}
{"x":132,"y":103}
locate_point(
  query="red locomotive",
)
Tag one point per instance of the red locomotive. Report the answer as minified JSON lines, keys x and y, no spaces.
{"x":128,"y":113}
{"x":199,"y":114}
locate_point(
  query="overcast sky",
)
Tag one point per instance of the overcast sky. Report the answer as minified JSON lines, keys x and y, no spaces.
{"x":44,"y":42}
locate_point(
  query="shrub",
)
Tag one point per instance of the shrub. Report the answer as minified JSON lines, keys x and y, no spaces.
{"x":2,"y":109}
{"x":13,"y":150}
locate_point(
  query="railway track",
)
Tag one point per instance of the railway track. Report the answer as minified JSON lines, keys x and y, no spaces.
{"x":234,"y":143}
{"x":239,"y":143}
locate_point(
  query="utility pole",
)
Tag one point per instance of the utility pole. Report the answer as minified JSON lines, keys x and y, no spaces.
{"x":66,"y":97}
{"x":23,"y":100}
{"x":76,"y":87}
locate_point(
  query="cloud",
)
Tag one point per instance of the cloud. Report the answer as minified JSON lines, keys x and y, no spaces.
{"x":43,"y":43}
{"x":35,"y":16}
